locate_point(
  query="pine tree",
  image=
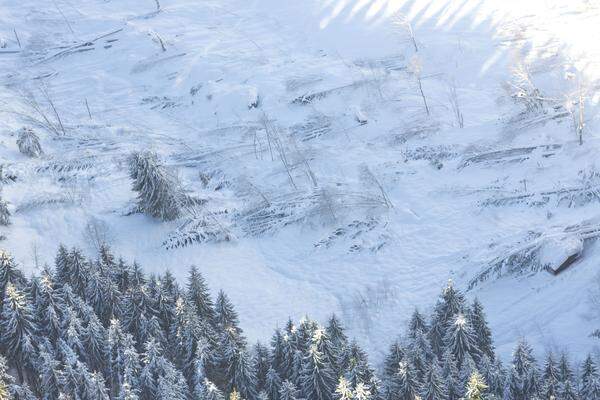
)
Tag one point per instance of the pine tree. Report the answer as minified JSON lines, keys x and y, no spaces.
{"x":49,"y":375}
{"x":395,"y":356}
{"x":590,"y":380}
{"x":358,"y":369}
{"x":317,"y":380}
{"x":171,"y":385}
{"x":226,"y":317}
{"x":95,"y":342}
{"x":523,"y":380}
{"x":363,"y":392}
{"x":261,"y":364}
{"x":128,"y":393}
{"x":29,"y":143}
{"x":5,"y":380}
{"x":493,"y":375}
{"x":338,"y":339}
{"x":565,"y":373}
{"x":241,"y":375}
{"x":273,"y":384}
{"x":79,"y":272}
{"x":450,"y":373}
{"x":288,"y":391}
{"x":4,"y":213}
{"x":62,"y":266}
{"x":461,"y":341}
{"x":483,"y":334}
{"x":433,"y":384}
{"x":550,"y":378}
{"x":343,"y":390}
{"x":159,"y":194}
{"x":49,"y":308}
{"x":277,"y":351}
{"x":9,"y":274}
{"x":198,"y":296}
{"x":326,"y":349}
{"x":201,"y":363}
{"x":404,"y":385}
{"x":17,"y":329}
{"x":211,"y":392}
{"x":568,"y":392}
{"x":417,"y":324}
{"x":158,"y":375}
{"x":476,"y":387}
{"x":131,"y":367}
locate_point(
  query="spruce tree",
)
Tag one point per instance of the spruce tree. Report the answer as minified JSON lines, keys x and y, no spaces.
{"x":277,"y":352}
{"x":363,"y":392}
{"x":395,"y":356}
{"x":358,"y":369}
{"x":211,"y":392}
{"x":343,"y":390}
{"x":450,"y":372}
{"x":339,"y":340}
{"x":5,"y":380}
{"x":261,"y":364}
{"x":416,"y":324}
{"x":95,"y":342}
{"x":79,"y":272}
{"x":288,"y":391}
{"x":49,"y":375}
{"x":62,"y":266}
{"x":317,"y":380}
{"x":241,"y":376}
{"x":273,"y":384}
{"x":523,"y":380}
{"x":590,"y":380}
{"x":159,"y":194}
{"x":4,"y":213}
{"x":404,"y":385}
{"x":483,"y":334}
{"x":550,"y":378}
{"x":17,"y":329}
{"x":433,"y":385}
{"x":461,"y":341}
{"x":9,"y":274}
{"x":49,"y":308}
{"x":198,"y":296}
{"x":493,"y":375}
{"x":226,"y":316}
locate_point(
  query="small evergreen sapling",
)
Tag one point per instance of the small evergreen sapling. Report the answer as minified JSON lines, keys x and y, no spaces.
{"x":29,"y":143}
{"x":476,"y":387}
{"x":4,"y":213}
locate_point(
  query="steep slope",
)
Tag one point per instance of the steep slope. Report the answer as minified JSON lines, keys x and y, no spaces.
{"x":359,"y":154}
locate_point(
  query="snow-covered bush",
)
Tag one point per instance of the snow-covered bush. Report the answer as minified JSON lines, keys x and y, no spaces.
{"x":4,"y":213}
{"x":29,"y":143}
{"x":159,"y":192}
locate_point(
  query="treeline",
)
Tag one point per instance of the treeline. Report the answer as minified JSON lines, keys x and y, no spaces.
{"x":102,"y":329}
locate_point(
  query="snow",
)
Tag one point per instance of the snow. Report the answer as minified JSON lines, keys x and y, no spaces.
{"x":555,"y":251}
{"x":439,"y":201}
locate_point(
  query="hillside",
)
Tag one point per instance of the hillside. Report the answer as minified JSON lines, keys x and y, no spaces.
{"x":348,"y":156}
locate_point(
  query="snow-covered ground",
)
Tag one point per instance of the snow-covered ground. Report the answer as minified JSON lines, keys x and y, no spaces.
{"x":342,"y":191}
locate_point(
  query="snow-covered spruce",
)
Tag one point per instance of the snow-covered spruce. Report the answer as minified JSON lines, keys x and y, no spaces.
{"x":159,"y":192}
{"x":29,"y":143}
{"x":101,"y":329}
{"x":4,"y":213}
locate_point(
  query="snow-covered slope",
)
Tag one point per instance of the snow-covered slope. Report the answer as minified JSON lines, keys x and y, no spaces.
{"x":304,"y":126}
